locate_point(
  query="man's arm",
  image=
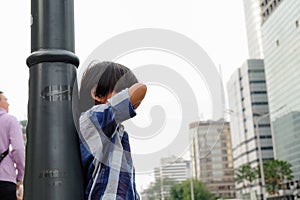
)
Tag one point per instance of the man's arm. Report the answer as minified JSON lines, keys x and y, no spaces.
{"x":18,"y":148}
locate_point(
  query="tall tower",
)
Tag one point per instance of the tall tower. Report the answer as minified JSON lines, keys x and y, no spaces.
{"x":267,"y":7}
{"x":248,"y":100}
{"x":253,"y":27}
{"x":281,"y":42}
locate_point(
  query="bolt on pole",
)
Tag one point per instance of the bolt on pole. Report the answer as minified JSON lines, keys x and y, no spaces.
{"x":53,"y":168}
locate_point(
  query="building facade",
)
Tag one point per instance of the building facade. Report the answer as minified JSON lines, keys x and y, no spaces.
{"x":268,"y":7}
{"x":281,"y":43}
{"x":211,"y":155}
{"x":248,"y":104}
{"x":171,"y":171}
{"x":253,"y":20}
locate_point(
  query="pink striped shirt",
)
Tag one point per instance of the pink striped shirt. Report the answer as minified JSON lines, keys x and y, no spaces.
{"x":11,"y":134}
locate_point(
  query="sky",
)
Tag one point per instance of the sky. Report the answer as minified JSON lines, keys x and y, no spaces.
{"x":217,"y":26}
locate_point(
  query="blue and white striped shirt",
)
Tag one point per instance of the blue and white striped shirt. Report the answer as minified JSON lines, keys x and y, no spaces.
{"x":105,"y":150}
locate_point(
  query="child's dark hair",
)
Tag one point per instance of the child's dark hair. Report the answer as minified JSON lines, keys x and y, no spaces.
{"x":107,"y":77}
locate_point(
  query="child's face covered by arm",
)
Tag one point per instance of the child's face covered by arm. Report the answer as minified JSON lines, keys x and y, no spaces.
{"x":136,"y":93}
{"x":101,"y":100}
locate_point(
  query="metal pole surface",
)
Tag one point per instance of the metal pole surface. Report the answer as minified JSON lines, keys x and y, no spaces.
{"x":191,"y":167}
{"x":261,"y":165}
{"x":192,"y":188}
{"x":162,"y":185}
{"x":53,"y":169}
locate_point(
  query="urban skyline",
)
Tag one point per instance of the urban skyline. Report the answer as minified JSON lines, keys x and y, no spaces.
{"x":228,"y":49}
{"x":225,"y":44}
{"x":259,"y":80}
{"x":265,"y":109}
{"x":274,"y":46}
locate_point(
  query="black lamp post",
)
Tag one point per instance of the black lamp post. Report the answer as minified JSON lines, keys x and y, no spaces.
{"x":53,"y":169}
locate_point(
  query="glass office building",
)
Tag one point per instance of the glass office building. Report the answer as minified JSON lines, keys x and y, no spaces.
{"x":281,"y":43}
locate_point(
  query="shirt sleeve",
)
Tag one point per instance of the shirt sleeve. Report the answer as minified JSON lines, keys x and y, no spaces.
{"x":121,"y":107}
{"x":18,"y":148}
{"x":98,"y":125}
{"x":106,"y":117}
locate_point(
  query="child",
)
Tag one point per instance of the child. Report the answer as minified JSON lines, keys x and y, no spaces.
{"x":104,"y":145}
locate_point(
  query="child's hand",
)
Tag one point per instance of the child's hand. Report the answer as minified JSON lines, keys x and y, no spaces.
{"x":137,"y":93}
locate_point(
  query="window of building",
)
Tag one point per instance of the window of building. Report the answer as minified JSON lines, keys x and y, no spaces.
{"x":277,"y":42}
{"x":257,"y":81}
{"x":265,"y":137}
{"x":256,"y":70}
{"x":256,"y":115}
{"x":263,"y":125}
{"x":259,"y":103}
{"x":258,"y":92}
{"x":297,"y":24}
{"x":225,"y":165}
{"x":224,"y":144}
{"x":266,"y":148}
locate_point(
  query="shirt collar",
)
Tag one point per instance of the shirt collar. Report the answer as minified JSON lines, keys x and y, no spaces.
{"x":2,"y":111}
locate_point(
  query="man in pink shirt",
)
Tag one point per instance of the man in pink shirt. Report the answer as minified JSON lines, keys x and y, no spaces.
{"x":13,"y":164}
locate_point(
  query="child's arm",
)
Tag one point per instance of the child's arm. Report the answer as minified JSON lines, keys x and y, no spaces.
{"x":137,"y":93}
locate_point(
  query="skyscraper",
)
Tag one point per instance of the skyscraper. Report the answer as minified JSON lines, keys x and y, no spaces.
{"x":268,"y":7}
{"x":256,"y":13}
{"x":247,"y":94}
{"x":253,"y":27}
{"x":281,"y":44}
{"x":211,"y":155}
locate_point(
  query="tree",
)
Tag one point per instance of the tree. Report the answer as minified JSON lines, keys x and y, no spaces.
{"x":23,"y":122}
{"x":182,"y":191}
{"x":245,"y":174}
{"x":276,"y":173}
{"x":154,"y":191}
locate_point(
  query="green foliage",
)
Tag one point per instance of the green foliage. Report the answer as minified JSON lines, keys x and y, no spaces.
{"x":183,"y":191}
{"x":245,"y":174}
{"x":154,"y":192}
{"x":276,"y":172}
{"x":23,"y":122}
{"x":176,"y":192}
